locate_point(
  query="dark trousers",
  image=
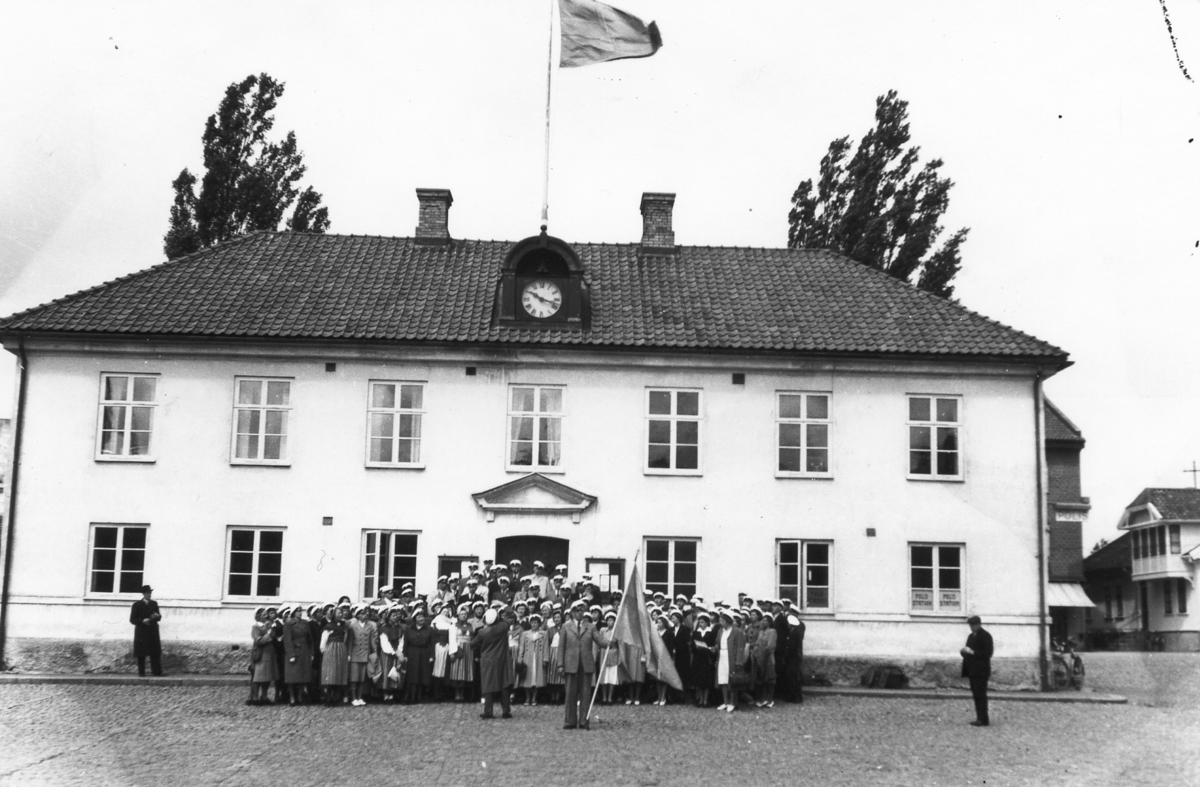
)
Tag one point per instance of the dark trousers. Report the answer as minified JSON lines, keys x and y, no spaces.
{"x":489,"y":702}
{"x":979,"y":694}
{"x":155,"y":664}
{"x":579,"y":697}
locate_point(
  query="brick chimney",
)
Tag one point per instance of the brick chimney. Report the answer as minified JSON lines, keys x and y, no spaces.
{"x":657,"y":235}
{"x":434,"y":216}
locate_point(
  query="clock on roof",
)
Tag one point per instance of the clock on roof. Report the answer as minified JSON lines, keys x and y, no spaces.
{"x":542,"y":298}
{"x":542,"y":287}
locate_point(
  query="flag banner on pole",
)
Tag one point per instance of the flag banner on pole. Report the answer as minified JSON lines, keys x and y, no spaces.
{"x":594,"y":33}
{"x":635,"y":628}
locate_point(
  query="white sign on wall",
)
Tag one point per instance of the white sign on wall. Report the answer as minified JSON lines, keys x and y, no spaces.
{"x":1070,"y":516}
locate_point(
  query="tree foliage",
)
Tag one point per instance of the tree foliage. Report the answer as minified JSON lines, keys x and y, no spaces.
{"x":878,"y":207}
{"x":249,"y":181}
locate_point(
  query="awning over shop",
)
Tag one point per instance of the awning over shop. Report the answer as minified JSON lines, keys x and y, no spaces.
{"x":1067,"y":594}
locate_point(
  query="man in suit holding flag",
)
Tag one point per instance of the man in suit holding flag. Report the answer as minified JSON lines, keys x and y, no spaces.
{"x":576,"y":642}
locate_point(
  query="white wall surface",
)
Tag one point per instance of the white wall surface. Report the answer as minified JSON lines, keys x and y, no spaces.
{"x":191,"y":493}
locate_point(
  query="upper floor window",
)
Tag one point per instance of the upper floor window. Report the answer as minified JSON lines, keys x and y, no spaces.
{"x":255,"y":562}
{"x":394,"y":414}
{"x":802,"y":435}
{"x":673,"y":431}
{"x":127,"y":404}
{"x":934,"y":450}
{"x":260,"y":409}
{"x":535,"y":416}
{"x":937,"y":578}
{"x":118,"y":559}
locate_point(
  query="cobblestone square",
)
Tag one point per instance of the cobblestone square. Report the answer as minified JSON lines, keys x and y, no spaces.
{"x":134,"y":735}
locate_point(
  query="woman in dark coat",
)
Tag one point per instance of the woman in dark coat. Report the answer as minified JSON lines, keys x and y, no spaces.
{"x":418,"y":650}
{"x":496,"y":670}
{"x":297,"y":655}
{"x":704,"y":644}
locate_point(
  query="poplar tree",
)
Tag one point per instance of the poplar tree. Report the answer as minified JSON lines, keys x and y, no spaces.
{"x":880,"y":207}
{"x":249,"y":181}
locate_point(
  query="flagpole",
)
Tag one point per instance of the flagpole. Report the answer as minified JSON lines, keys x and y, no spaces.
{"x":617,"y":622}
{"x":546,"y":170}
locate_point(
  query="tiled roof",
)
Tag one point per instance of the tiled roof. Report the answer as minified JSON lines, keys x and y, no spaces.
{"x":1059,"y":427}
{"x":294,"y":285}
{"x":1113,"y":556}
{"x":1171,"y":503}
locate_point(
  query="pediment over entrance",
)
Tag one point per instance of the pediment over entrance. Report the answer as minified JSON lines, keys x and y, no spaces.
{"x":534,"y":494}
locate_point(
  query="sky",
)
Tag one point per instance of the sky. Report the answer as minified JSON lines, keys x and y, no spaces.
{"x":1069,"y":129}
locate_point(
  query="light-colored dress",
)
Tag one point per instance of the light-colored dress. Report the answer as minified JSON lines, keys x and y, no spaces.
{"x":444,"y":643}
{"x":462,"y":670}
{"x":610,"y":672}
{"x":554,"y":674}
{"x":723,"y":659}
{"x":533,"y":655}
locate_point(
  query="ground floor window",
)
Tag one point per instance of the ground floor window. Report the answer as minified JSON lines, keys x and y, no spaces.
{"x":802,"y":573}
{"x":255,"y":562}
{"x":454,"y":564}
{"x":936,"y":572}
{"x":118,"y":559}
{"x":671,"y":565}
{"x":608,"y":574}
{"x":389,"y":558}
{"x":1183,"y":594}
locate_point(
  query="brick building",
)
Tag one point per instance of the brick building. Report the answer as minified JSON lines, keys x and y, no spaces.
{"x":1067,"y":510}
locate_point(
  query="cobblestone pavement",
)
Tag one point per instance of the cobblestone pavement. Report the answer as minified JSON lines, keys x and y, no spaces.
{"x":125,"y":735}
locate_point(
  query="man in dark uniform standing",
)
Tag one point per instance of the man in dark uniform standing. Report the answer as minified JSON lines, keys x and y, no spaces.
{"x":145,"y":616}
{"x":977,"y":667}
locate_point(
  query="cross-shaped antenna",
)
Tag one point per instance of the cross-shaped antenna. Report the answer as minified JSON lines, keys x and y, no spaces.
{"x":1193,"y":471}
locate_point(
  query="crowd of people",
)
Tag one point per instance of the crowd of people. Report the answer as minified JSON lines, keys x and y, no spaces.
{"x":493,"y":633}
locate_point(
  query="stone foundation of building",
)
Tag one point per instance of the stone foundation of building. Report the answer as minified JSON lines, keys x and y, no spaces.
{"x":219,"y":658}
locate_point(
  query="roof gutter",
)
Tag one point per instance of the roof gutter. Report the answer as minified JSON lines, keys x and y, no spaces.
{"x":1043,"y":628}
{"x":11,"y":518}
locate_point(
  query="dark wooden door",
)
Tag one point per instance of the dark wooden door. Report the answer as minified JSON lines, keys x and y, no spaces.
{"x":527,"y":549}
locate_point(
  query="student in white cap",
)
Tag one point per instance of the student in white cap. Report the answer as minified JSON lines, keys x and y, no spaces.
{"x":541,"y":579}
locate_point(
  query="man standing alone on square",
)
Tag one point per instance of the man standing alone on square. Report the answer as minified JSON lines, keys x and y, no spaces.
{"x":145,"y":616}
{"x":977,"y":667}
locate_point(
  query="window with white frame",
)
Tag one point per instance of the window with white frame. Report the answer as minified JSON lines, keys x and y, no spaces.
{"x":255,"y":562}
{"x":389,"y":558}
{"x":1182,"y":586}
{"x":118,"y":559}
{"x":937,"y":578}
{"x":671,"y":565}
{"x":802,"y":435}
{"x":535,"y":416}
{"x":934,"y":449}
{"x":672,"y":431}
{"x":394,"y":416}
{"x":803,"y":573}
{"x":260,"y":417}
{"x":127,"y":405}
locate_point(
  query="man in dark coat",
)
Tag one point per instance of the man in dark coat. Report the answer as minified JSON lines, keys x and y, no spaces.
{"x":496,"y":670}
{"x":576,"y":643}
{"x":794,"y":666}
{"x":782,"y":629}
{"x":977,"y":667}
{"x":144,"y":617}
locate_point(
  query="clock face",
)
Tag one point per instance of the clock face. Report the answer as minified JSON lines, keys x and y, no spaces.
{"x":541,"y":298}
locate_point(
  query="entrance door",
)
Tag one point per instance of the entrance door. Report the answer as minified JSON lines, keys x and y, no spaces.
{"x":551,"y":551}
